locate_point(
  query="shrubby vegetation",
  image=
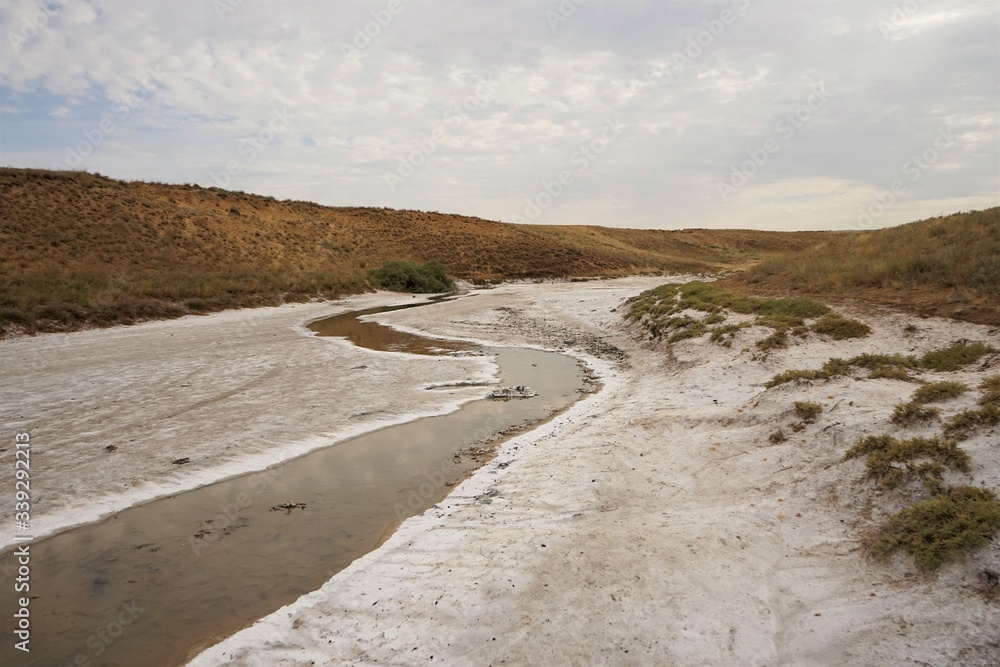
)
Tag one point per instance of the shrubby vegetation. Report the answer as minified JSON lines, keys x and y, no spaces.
{"x":428,"y":278}
{"x":935,"y":529}
{"x":949,"y":521}
{"x":892,"y":366}
{"x":661,"y":311}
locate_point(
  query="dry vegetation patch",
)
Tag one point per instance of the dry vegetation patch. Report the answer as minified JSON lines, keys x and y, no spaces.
{"x":947,"y":266}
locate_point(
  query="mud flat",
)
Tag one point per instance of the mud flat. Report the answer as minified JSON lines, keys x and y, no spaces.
{"x":654,"y":522}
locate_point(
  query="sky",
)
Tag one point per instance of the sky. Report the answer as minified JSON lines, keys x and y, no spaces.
{"x":762,"y":114}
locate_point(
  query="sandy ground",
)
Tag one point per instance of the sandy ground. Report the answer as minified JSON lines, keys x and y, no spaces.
{"x":108,"y":411}
{"x":654,"y":522}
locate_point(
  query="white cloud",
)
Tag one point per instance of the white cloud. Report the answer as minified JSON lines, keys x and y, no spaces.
{"x":688,"y":122}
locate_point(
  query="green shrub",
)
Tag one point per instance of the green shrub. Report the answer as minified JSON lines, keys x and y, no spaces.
{"x":956,"y":356}
{"x":840,"y":328}
{"x":777,"y":340}
{"x":907,"y":414}
{"x":794,"y":376}
{"x":688,"y":330}
{"x":893,"y":462}
{"x":936,"y":392}
{"x":967,"y":422}
{"x":891,"y":373}
{"x":723,"y":335}
{"x":791,"y":307}
{"x":430,"y":277}
{"x":807,"y":411}
{"x":991,"y":391}
{"x":654,"y":309}
{"x":890,"y":366}
{"x":779,"y":321}
{"x":935,"y":529}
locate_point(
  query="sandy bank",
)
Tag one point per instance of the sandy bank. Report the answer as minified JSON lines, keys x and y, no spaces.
{"x":654,"y":522}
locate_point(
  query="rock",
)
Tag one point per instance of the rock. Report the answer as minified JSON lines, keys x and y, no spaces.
{"x":288,"y":507}
{"x":520,"y":391}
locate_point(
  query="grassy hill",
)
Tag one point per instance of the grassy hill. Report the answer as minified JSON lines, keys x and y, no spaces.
{"x":948,"y":266}
{"x":80,"y":249}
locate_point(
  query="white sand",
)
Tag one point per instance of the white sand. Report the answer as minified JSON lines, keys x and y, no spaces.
{"x":653,"y":523}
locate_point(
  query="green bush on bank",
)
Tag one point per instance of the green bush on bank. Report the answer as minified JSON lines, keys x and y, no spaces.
{"x":428,"y":278}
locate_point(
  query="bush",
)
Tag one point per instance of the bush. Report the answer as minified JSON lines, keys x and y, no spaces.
{"x":991,"y":391}
{"x":907,"y":414}
{"x":807,"y":411}
{"x":430,"y":277}
{"x":893,"y":462}
{"x":956,"y":356}
{"x":724,"y":334}
{"x":936,"y":392}
{"x":777,"y":340}
{"x":840,"y":328}
{"x":935,"y":529}
{"x":967,"y":422}
{"x":890,"y":366}
{"x":791,"y":307}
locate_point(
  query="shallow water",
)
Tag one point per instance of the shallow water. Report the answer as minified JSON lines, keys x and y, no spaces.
{"x":154,"y":583}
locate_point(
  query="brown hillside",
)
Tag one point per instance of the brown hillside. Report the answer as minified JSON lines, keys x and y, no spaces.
{"x":80,"y":248}
{"x":947,"y":266}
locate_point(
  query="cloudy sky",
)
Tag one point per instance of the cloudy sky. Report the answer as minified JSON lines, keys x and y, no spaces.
{"x":768,"y":114}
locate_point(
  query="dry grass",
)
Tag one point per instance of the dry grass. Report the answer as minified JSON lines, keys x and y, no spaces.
{"x":81,"y":249}
{"x":946,"y":266}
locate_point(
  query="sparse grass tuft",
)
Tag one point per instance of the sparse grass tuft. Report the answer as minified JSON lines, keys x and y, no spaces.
{"x":841,"y":328}
{"x":723,"y":335}
{"x":936,"y":529}
{"x":936,"y":392}
{"x":956,"y":356}
{"x":795,"y":376}
{"x":893,"y":462}
{"x":891,"y":366}
{"x":963,"y":425}
{"x":908,"y":414}
{"x":777,"y":340}
{"x":891,"y":373}
{"x":991,"y":391}
{"x":808,"y":411}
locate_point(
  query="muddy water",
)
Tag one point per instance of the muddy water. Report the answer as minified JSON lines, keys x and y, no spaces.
{"x":153,"y":584}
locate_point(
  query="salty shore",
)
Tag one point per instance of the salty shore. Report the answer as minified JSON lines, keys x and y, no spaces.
{"x":110,"y":411}
{"x":654,"y":522}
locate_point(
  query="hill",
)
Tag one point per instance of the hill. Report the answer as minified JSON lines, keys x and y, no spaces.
{"x":948,"y":266}
{"x":81,"y":249}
